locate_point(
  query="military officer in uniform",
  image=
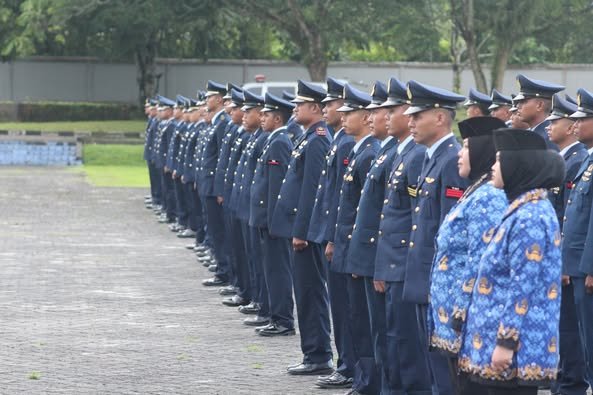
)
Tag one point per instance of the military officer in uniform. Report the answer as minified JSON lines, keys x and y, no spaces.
{"x":501,"y":106}
{"x":477,"y":104}
{"x":534,"y":103}
{"x":432,"y":112}
{"x":209,"y":160}
{"x":175,"y":145}
{"x":237,"y":251}
{"x":577,"y":245}
{"x":151,"y":129}
{"x":365,"y":235}
{"x":571,"y":369}
{"x":294,"y":129}
{"x":166,"y":129}
{"x":356,"y":124}
{"x":267,"y":180}
{"x":291,"y":220}
{"x":322,"y":229}
{"x":407,"y":368}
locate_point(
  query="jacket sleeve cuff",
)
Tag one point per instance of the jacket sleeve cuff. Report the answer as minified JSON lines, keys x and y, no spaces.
{"x":507,"y":337}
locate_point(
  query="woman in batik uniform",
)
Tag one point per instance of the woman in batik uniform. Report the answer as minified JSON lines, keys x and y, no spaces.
{"x":462,"y":238}
{"x":511,"y":334}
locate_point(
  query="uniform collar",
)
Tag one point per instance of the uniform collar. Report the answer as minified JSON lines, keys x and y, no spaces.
{"x":360,"y":143}
{"x":215,"y":118}
{"x":402,"y":145}
{"x":430,"y":151}
{"x":281,"y":128}
{"x":384,"y":142}
{"x":537,"y":126}
{"x":566,"y":149}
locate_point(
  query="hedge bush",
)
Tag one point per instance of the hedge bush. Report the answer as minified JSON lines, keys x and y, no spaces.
{"x":67,"y":111}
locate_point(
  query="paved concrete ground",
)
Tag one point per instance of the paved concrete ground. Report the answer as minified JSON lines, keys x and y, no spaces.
{"x":96,"y":297}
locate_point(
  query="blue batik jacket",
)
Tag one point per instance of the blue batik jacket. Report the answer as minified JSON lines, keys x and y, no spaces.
{"x":516,"y":298}
{"x":460,"y":243}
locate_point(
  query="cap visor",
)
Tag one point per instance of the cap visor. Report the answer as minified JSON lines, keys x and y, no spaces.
{"x":519,"y":97}
{"x":265,"y":109}
{"x":345,"y":109}
{"x":581,"y":114}
{"x":493,"y":106}
{"x":553,"y":117}
{"x":372,"y":106}
{"x":330,"y":98}
{"x":414,"y":110}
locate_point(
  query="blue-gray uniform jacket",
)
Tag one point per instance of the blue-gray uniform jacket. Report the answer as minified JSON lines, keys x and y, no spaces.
{"x":294,"y":130}
{"x":204,"y":130}
{"x":231,"y":172}
{"x":325,"y":211}
{"x":359,"y":164}
{"x":183,"y":146}
{"x":365,"y":235}
{"x":439,"y":188}
{"x":241,"y":168}
{"x":268,"y":177}
{"x":166,"y":130}
{"x":223,"y":159}
{"x":396,"y":215}
{"x":577,"y":245}
{"x":573,"y":158}
{"x":297,"y":196}
{"x":211,"y":153}
{"x":151,"y":129}
{"x":189,"y":174}
{"x":252,"y":154}
{"x":175,"y":146}
{"x":541,"y":130}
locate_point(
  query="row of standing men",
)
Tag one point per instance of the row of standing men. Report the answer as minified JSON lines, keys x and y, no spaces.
{"x":338,"y":195}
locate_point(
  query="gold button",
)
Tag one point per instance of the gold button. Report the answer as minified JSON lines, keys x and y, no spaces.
{"x":279,"y":197}
{"x":569,"y":201}
{"x":417,"y":209}
{"x":323,"y":172}
{"x":354,"y":227}
{"x":411,"y":244}
{"x":414,"y":227}
{"x":385,"y":201}
{"x":294,"y":209}
{"x":326,"y":212}
{"x":382,"y":216}
{"x":319,"y":186}
{"x":261,"y":202}
{"x":404,"y":242}
{"x":420,"y":191}
{"x":380,"y":233}
{"x":349,"y":236}
{"x":372,"y":239}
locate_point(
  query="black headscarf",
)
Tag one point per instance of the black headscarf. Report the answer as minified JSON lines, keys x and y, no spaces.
{"x":525,"y":162}
{"x":482,"y":154}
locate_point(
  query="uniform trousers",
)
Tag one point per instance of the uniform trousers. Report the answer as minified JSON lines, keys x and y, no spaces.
{"x":155,"y":182}
{"x":180,"y":203}
{"x":407,"y":366}
{"x":277,"y":270}
{"x":309,"y":274}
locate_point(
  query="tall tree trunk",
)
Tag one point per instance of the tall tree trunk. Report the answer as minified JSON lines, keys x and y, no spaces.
{"x":499,"y":63}
{"x":455,"y":54}
{"x":469,"y":35}
{"x":146,"y":70}
{"x":317,"y":69}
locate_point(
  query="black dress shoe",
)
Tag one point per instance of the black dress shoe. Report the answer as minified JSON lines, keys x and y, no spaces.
{"x":186,"y":234}
{"x":214,"y":282}
{"x":261,"y":328}
{"x":276,"y":330}
{"x":213,"y":268}
{"x":228,"y":290}
{"x":310,"y":368}
{"x":251,"y":308}
{"x":148,"y":206}
{"x":256,"y":321}
{"x":201,"y":248}
{"x":334,"y":380}
{"x":235,"y":301}
{"x":190,"y":246}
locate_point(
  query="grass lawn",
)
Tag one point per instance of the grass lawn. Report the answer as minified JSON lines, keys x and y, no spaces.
{"x":111,"y":165}
{"x":78,"y":126}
